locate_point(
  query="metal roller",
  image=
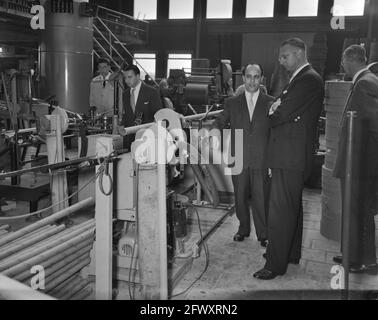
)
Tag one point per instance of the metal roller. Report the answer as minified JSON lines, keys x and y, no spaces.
{"x":197,"y":93}
{"x":200,"y":79}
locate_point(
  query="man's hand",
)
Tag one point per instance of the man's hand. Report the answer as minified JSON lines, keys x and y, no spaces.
{"x":269,"y":173}
{"x":274,"y":106}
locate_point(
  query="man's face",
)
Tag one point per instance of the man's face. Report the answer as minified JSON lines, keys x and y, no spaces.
{"x":103,"y":69}
{"x":289,"y":57}
{"x":252,"y":78}
{"x":131,"y":78}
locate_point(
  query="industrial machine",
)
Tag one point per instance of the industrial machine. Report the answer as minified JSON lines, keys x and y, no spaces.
{"x":203,"y":88}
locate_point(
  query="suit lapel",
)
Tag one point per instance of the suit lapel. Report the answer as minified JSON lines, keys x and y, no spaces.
{"x":244,"y":106}
{"x":140,"y":99}
{"x":287,"y":87}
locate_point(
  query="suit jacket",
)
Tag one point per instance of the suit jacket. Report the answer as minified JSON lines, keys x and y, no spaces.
{"x":147,"y":105}
{"x":292,"y":140}
{"x":364,"y":100}
{"x":255,"y":132}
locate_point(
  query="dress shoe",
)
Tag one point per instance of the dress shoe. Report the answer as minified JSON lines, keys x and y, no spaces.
{"x":292,"y":261}
{"x":263,"y":242}
{"x":265,"y":274}
{"x":371,"y":269}
{"x":239,"y":237}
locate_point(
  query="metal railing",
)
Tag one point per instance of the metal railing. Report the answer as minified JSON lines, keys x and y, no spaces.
{"x":19,"y":7}
{"x":107,"y":42}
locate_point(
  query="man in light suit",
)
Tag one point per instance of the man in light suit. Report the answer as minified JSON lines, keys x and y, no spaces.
{"x":140,"y":102}
{"x":248,"y":112}
{"x":102,"y":89}
{"x":363,"y":99}
{"x":293,"y":122}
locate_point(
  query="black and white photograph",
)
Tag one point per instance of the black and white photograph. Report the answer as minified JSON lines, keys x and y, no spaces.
{"x":188,"y":156}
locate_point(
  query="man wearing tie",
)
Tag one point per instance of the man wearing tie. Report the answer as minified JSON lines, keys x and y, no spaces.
{"x":140,"y":102}
{"x":293,"y":121}
{"x":248,"y":112}
{"x":363,"y":99}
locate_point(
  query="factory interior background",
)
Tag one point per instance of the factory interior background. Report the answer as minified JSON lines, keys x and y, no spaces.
{"x":84,"y":216}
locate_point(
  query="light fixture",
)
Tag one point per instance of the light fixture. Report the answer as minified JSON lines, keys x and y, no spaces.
{"x":1,"y":50}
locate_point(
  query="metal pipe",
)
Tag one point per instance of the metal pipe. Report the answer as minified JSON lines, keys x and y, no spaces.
{"x":59,"y":260}
{"x":123,"y":131}
{"x":51,"y":255}
{"x":75,"y":290}
{"x":14,"y":290}
{"x":78,"y":235}
{"x":27,"y":236}
{"x":50,"y":271}
{"x":24,"y":245}
{"x":66,"y":273}
{"x":57,"y":270}
{"x":82,"y":295}
{"x":39,"y":247}
{"x":162,"y":212}
{"x":216,"y":225}
{"x":347,"y":202}
{"x":43,"y":244}
{"x":61,"y":214}
{"x":65,"y":286}
{"x":4,"y":227}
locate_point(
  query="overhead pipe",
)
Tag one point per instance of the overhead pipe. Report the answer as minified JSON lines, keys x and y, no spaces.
{"x":351,"y":115}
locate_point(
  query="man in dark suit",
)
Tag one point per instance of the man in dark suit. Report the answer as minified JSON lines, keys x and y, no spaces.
{"x":248,"y":112}
{"x":363,"y":99}
{"x":140,"y":102}
{"x":293,"y":121}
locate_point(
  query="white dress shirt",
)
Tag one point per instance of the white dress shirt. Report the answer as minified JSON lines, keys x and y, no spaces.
{"x":251,"y":101}
{"x":298,"y":70}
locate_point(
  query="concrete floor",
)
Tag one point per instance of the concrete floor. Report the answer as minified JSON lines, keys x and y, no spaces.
{"x":232,"y":264}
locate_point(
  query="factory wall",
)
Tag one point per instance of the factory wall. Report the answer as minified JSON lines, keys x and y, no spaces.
{"x":236,"y":38}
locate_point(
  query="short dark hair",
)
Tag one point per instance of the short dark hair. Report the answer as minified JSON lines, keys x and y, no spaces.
{"x":133,"y":68}
{"x":104,"y":60}
{"x":295,"y":42}
{"x":356,"y":53}
{"x":252,"y":64}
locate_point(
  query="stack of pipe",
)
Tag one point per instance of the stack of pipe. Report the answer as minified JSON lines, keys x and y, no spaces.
{"x":62,"y":252}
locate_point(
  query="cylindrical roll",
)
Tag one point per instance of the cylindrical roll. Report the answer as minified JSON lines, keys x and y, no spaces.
{"x":66,"y":56}
{"x":196,"y":93}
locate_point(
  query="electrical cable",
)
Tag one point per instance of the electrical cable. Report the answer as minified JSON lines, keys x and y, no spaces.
{"x":136,"y":231}
{"x":207,"y":256}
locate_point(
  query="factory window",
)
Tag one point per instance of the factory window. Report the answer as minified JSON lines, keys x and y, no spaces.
{"x":181,"y":9}
{"x":179,"y":61}
{"x":303,"y":8}
{"x":148,"y":62}
{"x":258,"y":9}
{"x":219,"y":9}
{"x":145,"y":9}
{"x":348,"y":7}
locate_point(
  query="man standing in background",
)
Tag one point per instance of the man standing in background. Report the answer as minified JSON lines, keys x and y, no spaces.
{"x":102,"y":90}
{"x":140,"y":102}
{"x":364,"y":100}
